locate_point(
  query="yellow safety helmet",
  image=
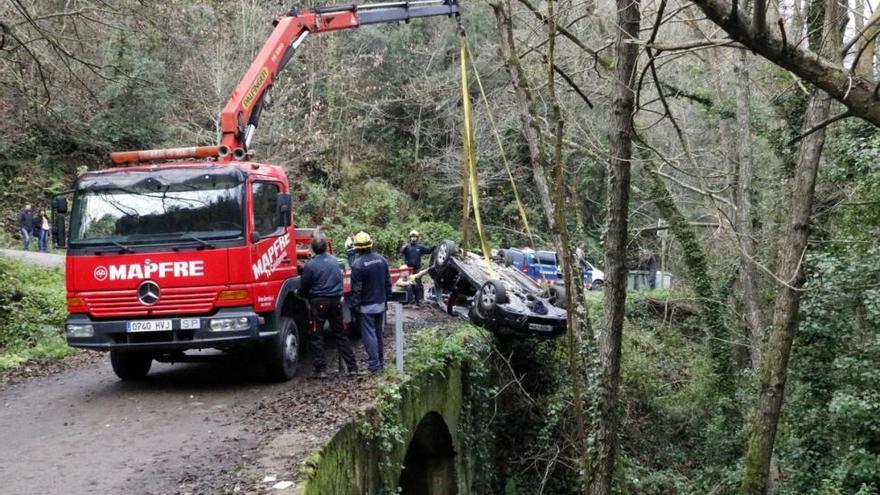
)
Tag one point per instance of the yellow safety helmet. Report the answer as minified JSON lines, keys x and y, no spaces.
{"x":362,"y":240}
{"x":414,"y":233}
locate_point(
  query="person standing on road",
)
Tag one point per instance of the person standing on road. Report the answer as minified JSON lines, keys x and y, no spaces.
{"x":322,"y":286}
{"x":370,"y":291}
{"x":412,"y":253}
{"x":26,"y":225}
{"x":44,"y":232}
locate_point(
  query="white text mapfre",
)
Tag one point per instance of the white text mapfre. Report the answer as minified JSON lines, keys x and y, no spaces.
{"x":270,"y":260}
{"x":148,"y":270}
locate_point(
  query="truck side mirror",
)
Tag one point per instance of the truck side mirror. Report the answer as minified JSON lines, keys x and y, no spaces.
{"x":284,"y":209}
{"x":59,"y":230}
{"x":59,"y":205}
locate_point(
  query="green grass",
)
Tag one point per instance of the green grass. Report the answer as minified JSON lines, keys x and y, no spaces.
{"x":54,"y":347}
{"x":32,"y":313}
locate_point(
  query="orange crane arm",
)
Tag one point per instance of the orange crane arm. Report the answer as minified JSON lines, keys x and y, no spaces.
{"x":241,"y":115}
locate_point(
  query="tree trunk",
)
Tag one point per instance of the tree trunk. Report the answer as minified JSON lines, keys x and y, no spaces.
{"x":526,"y":106}
{"x":773,"y":372}
{"x":867,"y":43}
{"x":745,"y":237}
{"x":620,"y":147}
{"x":578,"y":316}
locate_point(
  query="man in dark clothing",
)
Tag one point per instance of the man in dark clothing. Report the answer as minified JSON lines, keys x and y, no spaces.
{"x":370,"y":291}
{"x":412,"y":253}
{"x":322,"y":286}
{"x":26,"y":225}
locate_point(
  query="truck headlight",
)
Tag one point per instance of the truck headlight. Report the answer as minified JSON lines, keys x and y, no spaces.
{"x":230,"y":324}
{"x":80,"y":330}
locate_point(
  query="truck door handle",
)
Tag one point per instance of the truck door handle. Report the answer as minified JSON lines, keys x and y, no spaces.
{"x":285,"y":260}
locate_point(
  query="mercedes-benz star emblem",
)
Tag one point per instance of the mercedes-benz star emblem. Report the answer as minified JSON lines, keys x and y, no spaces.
{"x":148,"y":293}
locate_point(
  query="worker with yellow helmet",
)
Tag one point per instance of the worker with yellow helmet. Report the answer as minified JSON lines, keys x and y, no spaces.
{"x":370,"y":291}
{"x":412,"y":253}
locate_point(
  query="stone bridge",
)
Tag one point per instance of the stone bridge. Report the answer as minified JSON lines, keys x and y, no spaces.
{"x":417,"y":446}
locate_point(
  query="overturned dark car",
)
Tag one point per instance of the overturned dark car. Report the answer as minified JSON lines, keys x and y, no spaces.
{"x":497,"y":297}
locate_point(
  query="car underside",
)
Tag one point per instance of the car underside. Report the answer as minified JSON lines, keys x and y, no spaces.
{"x":497,"y":297}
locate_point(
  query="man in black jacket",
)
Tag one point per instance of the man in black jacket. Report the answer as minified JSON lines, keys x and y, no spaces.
{"x":412,"y":253}
{"x":26,"y":225}
{"x":370,"y":291}
{"x":322,"y":286}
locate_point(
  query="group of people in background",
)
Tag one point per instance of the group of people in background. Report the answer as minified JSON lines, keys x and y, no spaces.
{"x":31,"y":226}
{"x":322,"y":286}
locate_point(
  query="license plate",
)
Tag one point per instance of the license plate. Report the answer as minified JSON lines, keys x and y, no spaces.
{"x":189,"y":324}
{"x":149,"y":326}
{"x":540,"y":328}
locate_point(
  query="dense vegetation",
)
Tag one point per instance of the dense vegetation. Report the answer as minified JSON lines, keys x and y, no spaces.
{"x":746,"y":182}
{"x":32,"y":310}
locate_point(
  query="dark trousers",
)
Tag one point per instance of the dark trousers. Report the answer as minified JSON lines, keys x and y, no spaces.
{"x":329,"y":310}
{"x":372,"y":326}
{"x":419,"y":289}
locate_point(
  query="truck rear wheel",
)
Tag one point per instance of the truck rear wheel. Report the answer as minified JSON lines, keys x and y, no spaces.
{"x":282,"y":354}
{"x":130,"y":365}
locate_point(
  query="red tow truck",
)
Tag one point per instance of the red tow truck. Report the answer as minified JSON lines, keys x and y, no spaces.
{"x":201,"y":252}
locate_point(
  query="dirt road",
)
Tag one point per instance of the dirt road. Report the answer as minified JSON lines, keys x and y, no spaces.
{"x":187,"y":428}
{"x":35,"y":257}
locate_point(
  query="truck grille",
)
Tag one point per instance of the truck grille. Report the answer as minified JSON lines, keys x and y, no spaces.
{"x":172,"y":301}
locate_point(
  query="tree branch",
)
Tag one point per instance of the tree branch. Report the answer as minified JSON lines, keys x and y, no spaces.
{"x":854,"y":92}
{"x":608,"y":64}
{"x":572,"y":85}
{"x":821,"y":125}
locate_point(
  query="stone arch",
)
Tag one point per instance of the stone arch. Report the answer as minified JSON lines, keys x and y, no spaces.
{"x":429,"y":464}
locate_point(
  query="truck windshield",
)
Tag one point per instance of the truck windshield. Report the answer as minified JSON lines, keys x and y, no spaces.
{"x":147,"y":208}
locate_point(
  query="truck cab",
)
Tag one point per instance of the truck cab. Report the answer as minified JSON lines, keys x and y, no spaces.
{"x":168,"y":258}
{"x":171,"y":257}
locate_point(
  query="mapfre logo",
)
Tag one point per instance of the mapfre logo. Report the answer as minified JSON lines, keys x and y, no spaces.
{"x":164,"y":269}
{"x":270,"y":260}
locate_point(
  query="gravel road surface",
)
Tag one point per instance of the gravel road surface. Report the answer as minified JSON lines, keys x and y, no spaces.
{"x":187,"y":428}
{"x":35,"y":257}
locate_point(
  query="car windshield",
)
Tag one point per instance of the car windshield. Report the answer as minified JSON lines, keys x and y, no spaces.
{"x":141,"y":207}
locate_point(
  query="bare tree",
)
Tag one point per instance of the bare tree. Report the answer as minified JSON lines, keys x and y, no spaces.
{"x":773,"y":371}
{"x":748,"y":275}
{"x":525,"y":102}
{"x":620,"y":136}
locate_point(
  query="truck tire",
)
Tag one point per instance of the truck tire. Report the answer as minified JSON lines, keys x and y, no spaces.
{"x":557,"y":296}
{"x":130,"y":365}
{"x":508,"y":259}
{"x":491,"y":294}
{"x":282,"y":353}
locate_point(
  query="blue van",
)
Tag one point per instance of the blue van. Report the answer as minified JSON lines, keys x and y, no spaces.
{"x":542,"y":266}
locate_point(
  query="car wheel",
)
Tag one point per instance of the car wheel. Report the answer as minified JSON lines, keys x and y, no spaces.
{"x":282,"y":354}
{"x":130,"y":365}
{"x":557,"y":296}
{"x":598,"y":284}
{"x":445,"y":251}
{"x":492,"y":293}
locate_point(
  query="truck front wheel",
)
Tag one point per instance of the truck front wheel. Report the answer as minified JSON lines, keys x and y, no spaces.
{"x":282,"y":353}
{"x":130,"y":365}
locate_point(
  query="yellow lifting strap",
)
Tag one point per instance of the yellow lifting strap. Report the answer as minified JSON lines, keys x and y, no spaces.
{"x":469,"y":156}
{"x":519,"y":205}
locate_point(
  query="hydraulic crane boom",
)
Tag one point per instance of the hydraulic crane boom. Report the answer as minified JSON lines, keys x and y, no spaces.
{"x":241,"y":115}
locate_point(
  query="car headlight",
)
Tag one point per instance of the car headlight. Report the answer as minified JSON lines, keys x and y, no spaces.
{"x":80,"y":330}
{"x":230,"y":324}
